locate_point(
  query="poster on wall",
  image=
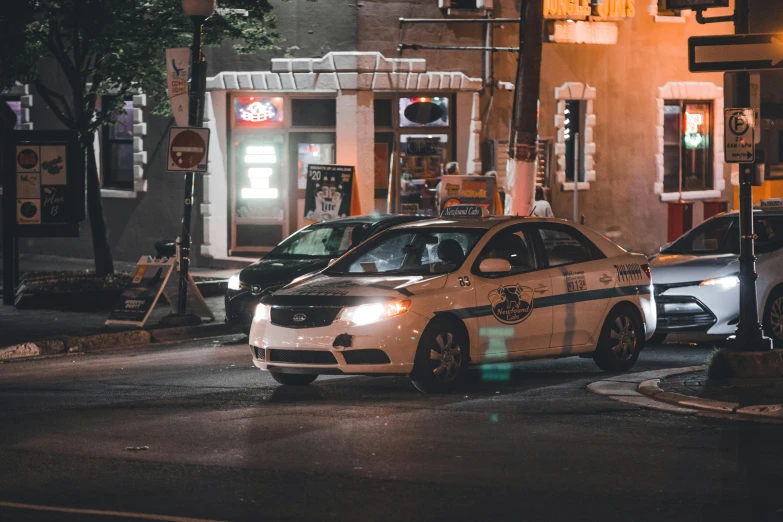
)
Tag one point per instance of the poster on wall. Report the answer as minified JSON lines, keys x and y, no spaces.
{"x":468,"y":190}
{"x":139,"y":298}
{"x":328,"y":192}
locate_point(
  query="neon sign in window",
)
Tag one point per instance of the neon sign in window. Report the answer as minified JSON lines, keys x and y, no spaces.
{"x":694,"y":136}
{"x":258,"y":112}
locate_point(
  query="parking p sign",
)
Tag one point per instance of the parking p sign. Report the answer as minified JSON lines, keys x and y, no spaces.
{"x":740,"y":145}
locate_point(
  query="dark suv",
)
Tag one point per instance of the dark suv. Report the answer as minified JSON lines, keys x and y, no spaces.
{"x":308,"y":250}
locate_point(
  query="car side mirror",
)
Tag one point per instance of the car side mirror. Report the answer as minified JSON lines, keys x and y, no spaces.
{"x":494,"y":265}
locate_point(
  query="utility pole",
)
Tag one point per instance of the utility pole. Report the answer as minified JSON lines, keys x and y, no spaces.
{"x":749,"y":336}
{"x":521,"y":171}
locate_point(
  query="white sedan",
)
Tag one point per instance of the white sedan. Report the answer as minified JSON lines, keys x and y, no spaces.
{"x":697,"y":284}
{"x":428,"y":299}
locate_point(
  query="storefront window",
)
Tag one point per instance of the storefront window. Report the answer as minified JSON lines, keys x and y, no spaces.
{"x":312,"y":153}
{"x":259,"y":181}
{"x":687,"y":147}
{"x":309,"y":112}
{"x":422,"y":158}
{"x":424,"y":112}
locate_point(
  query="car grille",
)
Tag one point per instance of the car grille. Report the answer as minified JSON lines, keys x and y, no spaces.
{"x":260,"y":355}
{"x":301,"y":357}
{"x":369,"y":356}
{"x":303,"y":317}
{"x":680,"y":313}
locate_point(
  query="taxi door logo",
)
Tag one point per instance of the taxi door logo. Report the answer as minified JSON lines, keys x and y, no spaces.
{"x":511,"y":304}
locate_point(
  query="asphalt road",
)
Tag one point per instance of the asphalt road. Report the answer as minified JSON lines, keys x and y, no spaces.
{"x":220,"y":441}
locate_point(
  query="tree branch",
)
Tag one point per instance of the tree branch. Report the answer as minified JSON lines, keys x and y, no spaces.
{"x":63,"y":113}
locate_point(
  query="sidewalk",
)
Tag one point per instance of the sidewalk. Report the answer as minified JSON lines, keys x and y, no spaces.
{"x":687,"y":390}
{"x":40,"y":331}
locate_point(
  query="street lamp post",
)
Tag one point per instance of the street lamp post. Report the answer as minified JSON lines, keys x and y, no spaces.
{"x":198,"y":11}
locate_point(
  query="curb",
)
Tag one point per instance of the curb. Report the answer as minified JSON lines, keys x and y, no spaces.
{"x":113,"y":340}
{"x":641,"y":389}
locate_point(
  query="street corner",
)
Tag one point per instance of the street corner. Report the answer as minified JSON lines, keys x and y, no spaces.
{"x":687,"y":391}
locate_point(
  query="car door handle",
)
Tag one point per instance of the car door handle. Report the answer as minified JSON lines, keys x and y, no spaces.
{"x":541,"y":289}
{"x":605,"y":279}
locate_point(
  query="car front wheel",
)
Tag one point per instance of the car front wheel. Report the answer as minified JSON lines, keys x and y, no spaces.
{"x":441,"y":357}
{"x":773,"y":318}
{"x":293,"y":379}
{"x":620,"y":342}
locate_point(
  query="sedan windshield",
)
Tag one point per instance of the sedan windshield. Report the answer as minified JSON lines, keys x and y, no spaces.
{"x":721,"y":236}
{"x":328,"y":241}
{"x":410,"y":252}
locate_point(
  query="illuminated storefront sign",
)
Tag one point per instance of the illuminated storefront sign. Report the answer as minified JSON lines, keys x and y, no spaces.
{"x":260,"y":177}
{"x":583,"y":9}
{"x":258,"y":112}
{"x":584,"y":32}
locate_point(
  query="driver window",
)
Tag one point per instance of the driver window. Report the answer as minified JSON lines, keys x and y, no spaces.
{"x":513,"y":245}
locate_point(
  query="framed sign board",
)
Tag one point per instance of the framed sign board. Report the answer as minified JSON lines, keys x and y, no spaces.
{"x":43,"y":184}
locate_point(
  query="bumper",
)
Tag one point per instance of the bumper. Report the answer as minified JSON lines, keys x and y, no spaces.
{"x":240,"y":308}
{"x":385,"y":347}
{"x":701,"y":312}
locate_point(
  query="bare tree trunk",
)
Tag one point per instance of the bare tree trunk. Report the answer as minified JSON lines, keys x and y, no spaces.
{"x":104,"y":265}
{"x":521,"y":177}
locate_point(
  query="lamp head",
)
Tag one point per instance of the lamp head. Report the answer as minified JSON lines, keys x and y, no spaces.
{"x":199,"y":8}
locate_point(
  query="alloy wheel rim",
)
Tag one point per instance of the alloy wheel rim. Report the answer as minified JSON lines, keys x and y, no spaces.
{"x":446,"y":357}
{"x":776,"y":318}
{"x":624,"y":335}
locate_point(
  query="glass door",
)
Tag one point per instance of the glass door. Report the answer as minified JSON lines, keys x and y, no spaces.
{"x":259,"y":194}
{"x":306,"y":148}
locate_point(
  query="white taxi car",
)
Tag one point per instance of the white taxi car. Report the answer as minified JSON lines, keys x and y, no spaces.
{"x":697,"y":278}
{"x":429,"y":298}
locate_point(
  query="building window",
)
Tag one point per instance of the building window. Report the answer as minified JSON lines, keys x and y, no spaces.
{"x":660,"y":13}
{"x":573,"y":135}
{"x":313,"y":112}
{"x":687,"y":146}
{"x":15,"y":103}
{"x":575,"y":148}
{"x":117,"y":150}
{"x":690,"y":141}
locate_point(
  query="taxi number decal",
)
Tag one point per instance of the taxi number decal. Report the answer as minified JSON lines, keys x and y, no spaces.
{"x":511,"y":304}
{"x":575,"y":281}
{"x":464,"y":281}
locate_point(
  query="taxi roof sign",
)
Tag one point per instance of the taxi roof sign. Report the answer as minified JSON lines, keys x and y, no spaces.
{"x":774,"y":202}
{"x":465,"y":211}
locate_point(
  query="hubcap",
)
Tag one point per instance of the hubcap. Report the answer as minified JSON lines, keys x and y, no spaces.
{"x":446,"y":357}
{"x":624,"y":336}
{"x":776,"y":318}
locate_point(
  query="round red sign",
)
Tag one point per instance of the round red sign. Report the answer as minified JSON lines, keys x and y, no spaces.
{"x":188,"y":150}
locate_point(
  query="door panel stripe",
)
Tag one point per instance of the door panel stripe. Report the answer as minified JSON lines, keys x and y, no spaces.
{"x":556,"y":300}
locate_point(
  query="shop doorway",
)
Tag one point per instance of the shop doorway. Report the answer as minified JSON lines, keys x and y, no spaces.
{"x":306,"y":148}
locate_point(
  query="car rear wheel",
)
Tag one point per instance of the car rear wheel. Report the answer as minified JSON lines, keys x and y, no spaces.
{"x":620,"y":342}
{"x":441,"y":357}
{"x":773,"y":318}
{"x":293,"y":379}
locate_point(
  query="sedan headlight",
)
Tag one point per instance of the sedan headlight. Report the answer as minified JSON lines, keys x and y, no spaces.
{"x":725,"y":283}
{"x":372,"y":313}
{"x":263,"y":313}
{"x":233,"y":282}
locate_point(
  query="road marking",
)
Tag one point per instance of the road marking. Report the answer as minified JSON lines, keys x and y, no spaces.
{"x":124,"y":514}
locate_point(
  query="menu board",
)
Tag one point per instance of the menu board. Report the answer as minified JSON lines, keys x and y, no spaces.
{"x":328,"y":192}
{"x":139,"y":298}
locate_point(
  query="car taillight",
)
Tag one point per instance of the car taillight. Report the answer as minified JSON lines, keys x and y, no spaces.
{"x":647,"y":271}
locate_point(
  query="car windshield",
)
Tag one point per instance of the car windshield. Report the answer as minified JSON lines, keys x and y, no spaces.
{"x":326,"y":240}
{"x":417,"y":251}
{"x":721,"y":236}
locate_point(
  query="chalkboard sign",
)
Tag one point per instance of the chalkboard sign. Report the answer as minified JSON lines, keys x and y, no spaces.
{"x":139,"y":298}
{"x":328,"y":192}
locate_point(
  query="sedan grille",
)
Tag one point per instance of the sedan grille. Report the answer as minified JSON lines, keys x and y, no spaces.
{"x":683,"y":313}
{"x":303,"y":317}
{"x":301,"y":357}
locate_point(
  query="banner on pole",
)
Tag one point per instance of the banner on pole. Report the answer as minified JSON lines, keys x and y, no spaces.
{"x":177,"y":61}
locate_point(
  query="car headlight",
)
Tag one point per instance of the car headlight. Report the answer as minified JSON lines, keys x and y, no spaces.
{"x":263,"y":313}
{"x":233,"y":282}
{"x":372,"y":313}
{"x":726,"y":282}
